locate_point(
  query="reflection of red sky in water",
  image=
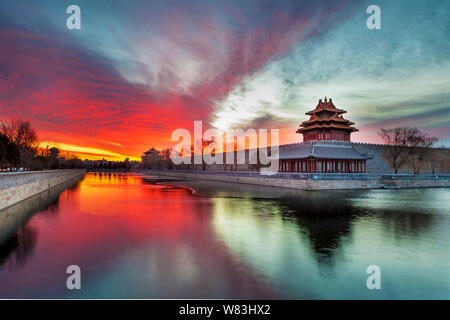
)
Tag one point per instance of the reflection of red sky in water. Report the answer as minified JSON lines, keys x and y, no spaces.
{"x":110,"y":218}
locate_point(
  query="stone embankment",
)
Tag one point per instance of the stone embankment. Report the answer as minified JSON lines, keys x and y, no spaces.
{"x":18,"y":186}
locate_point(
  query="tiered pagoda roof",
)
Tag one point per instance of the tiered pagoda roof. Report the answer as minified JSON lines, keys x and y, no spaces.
{"x":326,"y":117}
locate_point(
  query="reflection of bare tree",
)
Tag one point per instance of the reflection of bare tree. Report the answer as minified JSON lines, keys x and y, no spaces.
{"x":17,"y":239}
{"x":16,"y":249}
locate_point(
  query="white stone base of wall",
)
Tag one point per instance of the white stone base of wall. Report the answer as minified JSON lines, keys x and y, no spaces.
{"x":307,"y":184}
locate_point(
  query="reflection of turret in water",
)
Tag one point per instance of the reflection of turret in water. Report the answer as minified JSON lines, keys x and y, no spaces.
{"x":17,"y":238}
{"x":327,"y":218}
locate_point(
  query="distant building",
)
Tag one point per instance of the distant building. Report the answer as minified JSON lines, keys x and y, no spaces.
{"x":326,"y":146}
{"x":151,"y":159}
{"x":150,"y":153}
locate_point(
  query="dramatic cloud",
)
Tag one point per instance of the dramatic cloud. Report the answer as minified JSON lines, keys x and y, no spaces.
{"x":138,"y":70}
{"x":383,"y":78}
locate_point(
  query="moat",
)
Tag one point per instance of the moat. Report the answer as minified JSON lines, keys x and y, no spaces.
{"x":137,"y":236}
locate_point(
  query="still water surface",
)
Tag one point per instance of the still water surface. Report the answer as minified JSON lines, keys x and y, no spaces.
{"x":138,"y":237}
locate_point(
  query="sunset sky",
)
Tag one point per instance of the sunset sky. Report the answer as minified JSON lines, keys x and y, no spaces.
{"x":137,"y":70}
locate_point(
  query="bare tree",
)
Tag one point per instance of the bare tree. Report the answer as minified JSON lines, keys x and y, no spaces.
{"x":20,"y":132}
{"x":24,"y":136}
{"x":444,"y":161}
{"x":419,"y":144}
{"x":396,"y":153}
{"x":406,"y":145}
{"x":438,"y":159}
{"x":167,"y":161}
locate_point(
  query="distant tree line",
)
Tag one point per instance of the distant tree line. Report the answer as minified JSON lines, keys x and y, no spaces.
{"x":19,"y":150}
{"x":109,"y":165}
